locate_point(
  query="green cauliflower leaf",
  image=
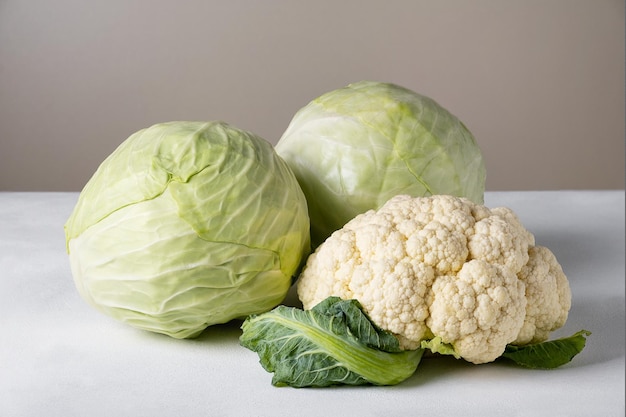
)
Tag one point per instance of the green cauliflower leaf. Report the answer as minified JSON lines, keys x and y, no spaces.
{"x":334,"y":343}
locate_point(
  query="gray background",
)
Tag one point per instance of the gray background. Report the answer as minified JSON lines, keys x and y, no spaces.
{"x":540,"y":83}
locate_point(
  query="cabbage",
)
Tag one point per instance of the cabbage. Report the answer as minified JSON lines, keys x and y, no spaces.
{"x":185,"y":225}
{"x":354,"y":148}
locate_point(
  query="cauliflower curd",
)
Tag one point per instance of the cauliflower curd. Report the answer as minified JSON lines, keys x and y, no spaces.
{"x":443,"y":267}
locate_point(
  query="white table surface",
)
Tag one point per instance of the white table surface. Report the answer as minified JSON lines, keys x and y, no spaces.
{"x":59,"y":357}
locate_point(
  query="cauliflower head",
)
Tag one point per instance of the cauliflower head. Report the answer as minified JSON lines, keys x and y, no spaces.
{"x":445,"y":267}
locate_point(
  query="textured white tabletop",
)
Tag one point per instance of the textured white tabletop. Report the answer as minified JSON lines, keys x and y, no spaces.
{"x":59,"y":357}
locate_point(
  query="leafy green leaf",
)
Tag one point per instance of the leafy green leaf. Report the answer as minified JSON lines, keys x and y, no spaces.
{"x":547,"y":355}
{"x":358,"y":323}
{"x":436,"y":345}
{"x":334,"y":343}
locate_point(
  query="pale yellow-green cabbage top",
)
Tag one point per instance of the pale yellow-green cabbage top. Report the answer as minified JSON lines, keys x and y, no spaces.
{"x":354,"y":148}
{"x":188,"y":224}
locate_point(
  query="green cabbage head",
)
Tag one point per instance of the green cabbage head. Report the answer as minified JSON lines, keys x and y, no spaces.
{"x":354,"y":148}
{"x":185,"y":225}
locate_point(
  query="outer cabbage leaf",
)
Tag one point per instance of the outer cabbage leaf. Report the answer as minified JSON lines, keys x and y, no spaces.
{"x":334,"y":343}
{"x":188,"y":224}
{"x":354,"y":148}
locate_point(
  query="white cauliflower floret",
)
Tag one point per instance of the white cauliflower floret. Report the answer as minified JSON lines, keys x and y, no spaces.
{"x":501,"y":239}
{"x":361,"y":272}
{"x":441,"y":266}
{"x":478,"y":311}
{"x":548,"y":294}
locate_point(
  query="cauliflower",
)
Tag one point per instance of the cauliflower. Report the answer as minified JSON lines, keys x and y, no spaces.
{"x":443,"y":267}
